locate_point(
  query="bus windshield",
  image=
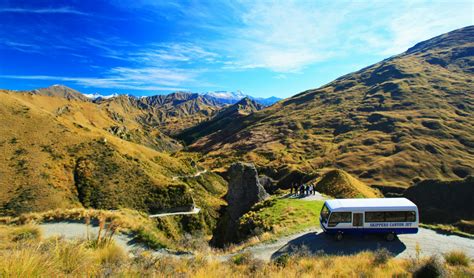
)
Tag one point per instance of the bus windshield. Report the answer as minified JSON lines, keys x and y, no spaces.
{"x":325,"y":213}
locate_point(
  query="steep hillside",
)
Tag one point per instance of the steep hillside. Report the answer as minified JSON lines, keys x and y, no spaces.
{"x":443,"y":201}
{"x":60,"y":91}
{"x":59,"y":153}
{"x":223,"y":120}
{"x":169,"y":113}
{"x":405,"y":118}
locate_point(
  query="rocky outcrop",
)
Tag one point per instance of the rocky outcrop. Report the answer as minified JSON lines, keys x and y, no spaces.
{"x":442,"y":201}
{"x":244,"y":191}
{"x":268,"y":183}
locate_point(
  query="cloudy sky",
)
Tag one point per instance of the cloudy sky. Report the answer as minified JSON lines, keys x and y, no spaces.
{"x":264,"y":48}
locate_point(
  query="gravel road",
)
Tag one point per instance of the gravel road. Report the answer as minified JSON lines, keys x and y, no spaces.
{"x":73,"y":230}
{"x":313,"y":241}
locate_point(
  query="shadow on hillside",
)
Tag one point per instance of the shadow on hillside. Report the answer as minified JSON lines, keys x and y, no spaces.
{"x":320,"y":243}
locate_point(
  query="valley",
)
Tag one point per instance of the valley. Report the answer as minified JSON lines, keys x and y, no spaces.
{"x":216,"y":169}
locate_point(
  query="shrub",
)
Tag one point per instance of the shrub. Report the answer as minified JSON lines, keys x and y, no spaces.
{"x":27,"y":232}
{"x":381,"y":256}
{"x":147,"y":237}
{"x":301,"y":251}
{"x":455,"y":258}
{"x":283,"y":260}
{"x":433,"y":267}
{"x":242,"y":258}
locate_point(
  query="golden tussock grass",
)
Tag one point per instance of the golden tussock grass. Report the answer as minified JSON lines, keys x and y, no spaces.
{"x":31,"y":257}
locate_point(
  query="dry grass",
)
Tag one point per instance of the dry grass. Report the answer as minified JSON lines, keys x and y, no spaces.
{"x":340,"y":184}
{"x":455,"y":258}
{"x":59,"y":257}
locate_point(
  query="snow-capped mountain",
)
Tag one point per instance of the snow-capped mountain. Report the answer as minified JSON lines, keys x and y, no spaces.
{"x":99,"y":96}
{"x":227,"y":97}
{"x":220,"y":97}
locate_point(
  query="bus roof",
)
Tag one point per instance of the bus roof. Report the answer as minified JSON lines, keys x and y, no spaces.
{"x":370,"y":204}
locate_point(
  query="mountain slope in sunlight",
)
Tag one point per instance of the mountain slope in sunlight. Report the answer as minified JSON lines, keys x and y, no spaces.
{"x":406,"y":118}
{"x":59,"y":153}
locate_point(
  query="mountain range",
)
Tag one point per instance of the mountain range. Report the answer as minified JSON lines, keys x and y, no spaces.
{"x":390,"y":125}
{"x":221,"y":97}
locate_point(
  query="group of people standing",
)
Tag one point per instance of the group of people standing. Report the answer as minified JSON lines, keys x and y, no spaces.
{"x":302,"y":189}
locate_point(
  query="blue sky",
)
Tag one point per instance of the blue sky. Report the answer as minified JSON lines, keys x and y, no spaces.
{"x":264,"y":48}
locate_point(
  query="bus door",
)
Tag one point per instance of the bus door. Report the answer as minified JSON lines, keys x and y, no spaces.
{"x":357,"y":219}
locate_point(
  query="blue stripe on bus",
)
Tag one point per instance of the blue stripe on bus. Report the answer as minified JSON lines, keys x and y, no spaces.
{"x":371,"y":230}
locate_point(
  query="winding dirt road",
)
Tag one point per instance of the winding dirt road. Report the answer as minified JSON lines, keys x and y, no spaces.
{"x":315,"y":242}
{"x":312,"y":241}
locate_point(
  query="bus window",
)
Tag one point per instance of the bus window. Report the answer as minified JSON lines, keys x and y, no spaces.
{"x":325,"y":213}
{"x":395,"y":216}
{"x":374,"y":216}
{"x":411,"y":216}
{"x":390,"y":216}
{"x":339,"y":217}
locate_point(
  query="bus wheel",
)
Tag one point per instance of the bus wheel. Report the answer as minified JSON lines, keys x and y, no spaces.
{"x":390,"y":236}
{"x":338,"y":236}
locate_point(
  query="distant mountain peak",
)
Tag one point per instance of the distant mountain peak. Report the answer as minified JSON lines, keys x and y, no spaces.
{"x":228,"y":97}
{"x":58,"y":90}
{"x":96,"y":96}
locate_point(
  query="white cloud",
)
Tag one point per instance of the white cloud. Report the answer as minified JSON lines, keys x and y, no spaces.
{"x":59,"y":10}
{"x":174,"y":52}
{"x":287,"y":36}
{"x":282,"y":37}
{"x":422,"y":22}
{"x":147,"y":79}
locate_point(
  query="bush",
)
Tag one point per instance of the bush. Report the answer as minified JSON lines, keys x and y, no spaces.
{"x":381,"y":256}
{"x":148,"y":238}
{"x":242,"y":258}
{"x":282,"y":260}
{"x":455,"y":258}
{"x":433,"y":267}
{"x":26,"y":233}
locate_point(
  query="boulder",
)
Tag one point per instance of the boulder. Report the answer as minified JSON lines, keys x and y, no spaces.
{"x":245,"y":189}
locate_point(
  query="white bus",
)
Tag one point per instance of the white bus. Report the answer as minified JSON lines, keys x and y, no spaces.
{"x":387,"y":216}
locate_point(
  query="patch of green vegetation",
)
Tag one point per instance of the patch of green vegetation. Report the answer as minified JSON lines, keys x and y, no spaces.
{"x":280,"y":216}
{"x":149,"y":238}
{"x":448,"y":229}
{"x":55,"y":155}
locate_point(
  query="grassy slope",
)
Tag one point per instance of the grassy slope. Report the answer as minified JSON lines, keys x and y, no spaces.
{"x":340,"y":184}
{"x":47,"y":150}
{"x":221,"y":120}
{"x":279,"y":216}
{"x":170,"y":114}
{"x":407,"y":117}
